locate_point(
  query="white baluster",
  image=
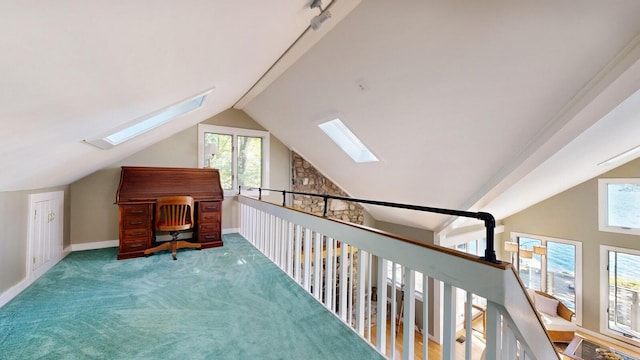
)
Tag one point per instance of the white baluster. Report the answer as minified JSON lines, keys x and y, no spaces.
{"x":409,"y":307}
{"x":297,"y":253}
{"x":381,"y":321}
{"x":493,"y":332}
{"x":328,"y":271}
{"x":306,"y":283}
{"x":425,"y":317}
{"x":449,"y":323}
{"x":289,"y":248}
{"x":394,"y":310}
{"x":468,"y":320}
{"x":360,"y":291}
{"x":317,"y":266}
{"x":344,"y":281}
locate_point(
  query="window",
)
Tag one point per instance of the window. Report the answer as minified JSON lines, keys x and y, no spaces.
{"x":553,"y":266}
{"x":240,"y":155}
{"x":473,"y":247}
{"x":347,"y":141}
{"x":619,"y":205}
{"x":400,"y":272}
{"x":530,"y":263}
{"x":620,"y":296}
{"x":146,"y":123}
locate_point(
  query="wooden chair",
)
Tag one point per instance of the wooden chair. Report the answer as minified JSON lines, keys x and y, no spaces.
{"x":173,"y":213}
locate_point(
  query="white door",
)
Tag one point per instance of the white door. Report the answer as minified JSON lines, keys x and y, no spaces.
{"x":45,"y":232}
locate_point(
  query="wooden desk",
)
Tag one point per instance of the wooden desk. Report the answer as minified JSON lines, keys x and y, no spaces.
{"x":138,"y":191}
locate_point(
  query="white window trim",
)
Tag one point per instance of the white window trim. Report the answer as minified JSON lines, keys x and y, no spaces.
{"x":603,"y":214}
{"x":235,"y":132}
{"x":451,"y":242}
{"x":604,"y":293}
{"x":579,"y":271}
{"x":400,"y":280}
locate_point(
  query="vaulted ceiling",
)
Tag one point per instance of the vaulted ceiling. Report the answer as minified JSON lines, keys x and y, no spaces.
{"x":475,"y":105}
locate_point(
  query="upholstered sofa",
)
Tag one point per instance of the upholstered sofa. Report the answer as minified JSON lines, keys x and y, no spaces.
{"x":556,"y":317}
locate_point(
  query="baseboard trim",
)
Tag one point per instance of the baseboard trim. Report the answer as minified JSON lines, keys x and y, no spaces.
{"x":13,"y":291}
{"x":116,"y":243}
{"x":66,"y":251}
{"x":230,"y":230}
{"x":95,"y":245}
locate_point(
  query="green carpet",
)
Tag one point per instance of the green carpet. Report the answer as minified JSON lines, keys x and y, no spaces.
{"x":221,"y":303}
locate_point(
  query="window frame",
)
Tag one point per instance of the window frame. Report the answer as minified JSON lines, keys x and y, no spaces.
{"x":463,"y":239}
{"x":544,"y":264}
{"x":604,"y":293}
{"x":603,"y":206}
{"x":235,"y":132}
{"x":399,"y":284}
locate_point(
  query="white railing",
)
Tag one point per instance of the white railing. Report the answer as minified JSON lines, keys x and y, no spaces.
{"x":338,"y":263}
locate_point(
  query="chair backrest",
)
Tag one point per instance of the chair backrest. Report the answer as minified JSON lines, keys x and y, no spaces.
{"x":174,"y":213}
{"x":563,"y":311}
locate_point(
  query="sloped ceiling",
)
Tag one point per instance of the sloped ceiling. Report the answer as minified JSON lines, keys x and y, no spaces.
{"x":471,"y":105}
{"x":480,"y":105}
{"x":75,"y":70}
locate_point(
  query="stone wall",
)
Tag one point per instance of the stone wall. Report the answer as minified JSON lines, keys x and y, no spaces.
{"x":308,"y":179}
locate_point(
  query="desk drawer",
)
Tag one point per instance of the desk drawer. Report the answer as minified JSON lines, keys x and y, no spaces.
{"x":208,"y":237}
{"x":134,"y":240}
{"x":135,"y":210}
{"x":209,"y":206}
{"x":131,"y":234}
{"x":135,"y":222}
{"x":138,"y":244}
{"x":208,"y":227}
{"x":209,"y":218}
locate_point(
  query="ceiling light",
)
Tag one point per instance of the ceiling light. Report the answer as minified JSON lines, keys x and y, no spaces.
{"x":620,"y":156}
{"x":146,"y":123}
{"x":347,"y":141}
{"x":540,"y":250}
{"x":320,"y":19}
{"x":511,"y":246}
{"x":526,"y":254}
{"x":316,"y":4}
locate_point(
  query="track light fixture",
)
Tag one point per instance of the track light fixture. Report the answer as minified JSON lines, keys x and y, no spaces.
{"x":320,"y":19}
{"x":316,"y":4}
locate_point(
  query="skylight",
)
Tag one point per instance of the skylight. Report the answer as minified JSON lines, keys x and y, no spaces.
{"x":347,"y":141}
{"x":146,"y":123}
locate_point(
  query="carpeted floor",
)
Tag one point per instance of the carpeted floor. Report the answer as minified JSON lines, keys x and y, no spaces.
{"x":221,"y":303}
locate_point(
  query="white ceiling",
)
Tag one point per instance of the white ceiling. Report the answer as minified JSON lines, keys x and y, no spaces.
{"x":472,"y":105}
{"x":482,"y":105}
{"x":74,"y":70}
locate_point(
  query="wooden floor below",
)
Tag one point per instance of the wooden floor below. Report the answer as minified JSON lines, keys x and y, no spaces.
{"x":478,"y":345}
{"x":434,"y":349}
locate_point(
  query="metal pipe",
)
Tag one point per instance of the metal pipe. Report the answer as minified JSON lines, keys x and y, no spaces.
{"x":326,"y":203}
{"x":487,"y":218}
